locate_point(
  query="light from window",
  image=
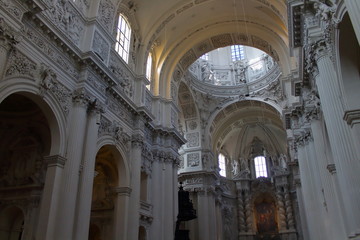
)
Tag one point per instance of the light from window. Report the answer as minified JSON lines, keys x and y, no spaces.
{"x":148,"y":70}
{"x":237,"y":52}
{"x":222,"y":165}
{"x":122,"y":45}
{"x":260,"y":167}
{"x":205,"y":57}
{"x":148,"y":67}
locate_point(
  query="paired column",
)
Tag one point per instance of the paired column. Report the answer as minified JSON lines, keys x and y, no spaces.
{"x":346,"y":158}
{"x":70,"y":179}
{"x":81,"y":230}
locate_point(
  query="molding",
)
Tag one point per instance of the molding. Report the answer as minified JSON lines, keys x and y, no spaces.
{"x":352,"y":117}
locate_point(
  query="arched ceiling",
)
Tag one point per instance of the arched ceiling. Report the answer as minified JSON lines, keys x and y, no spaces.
{"x":235,"y":127}
{"x":171,"y":28}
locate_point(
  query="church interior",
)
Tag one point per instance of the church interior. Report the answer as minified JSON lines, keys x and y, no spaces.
{"x":179,"y":119}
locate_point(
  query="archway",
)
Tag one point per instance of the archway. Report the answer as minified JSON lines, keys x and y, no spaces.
{"x":349,"y":62}
{"x":108,"y":213}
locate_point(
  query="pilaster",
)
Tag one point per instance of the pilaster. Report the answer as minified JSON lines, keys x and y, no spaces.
{"x":137,"y":142}
{"x":70,"y":178}
{"x":84,"y":199}
{"x":345,"y":152}
{"x":46,"y":223}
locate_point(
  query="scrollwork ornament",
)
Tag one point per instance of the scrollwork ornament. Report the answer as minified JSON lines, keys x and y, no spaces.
{"x":80,"y":97}
{"x":137,"y":141}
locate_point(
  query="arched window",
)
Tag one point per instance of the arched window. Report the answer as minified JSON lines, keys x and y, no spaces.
{"x":260,"y":166}
{"x":122,"y":45}
{"x":149,"y":69}
{"x":222,"y":165}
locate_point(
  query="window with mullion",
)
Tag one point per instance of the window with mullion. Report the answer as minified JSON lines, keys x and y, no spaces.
{"x":122,"y":45}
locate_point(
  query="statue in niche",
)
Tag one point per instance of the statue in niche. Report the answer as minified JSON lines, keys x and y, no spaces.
{"x":206,"y":73}
{"x":235,"y":167}
{"x":240,"y":69}
{"x":282,"y":161}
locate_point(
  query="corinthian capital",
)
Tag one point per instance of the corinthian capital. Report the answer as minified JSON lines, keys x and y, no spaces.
{"x":8,"y":36}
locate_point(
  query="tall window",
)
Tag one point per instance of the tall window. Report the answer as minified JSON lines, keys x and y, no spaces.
{"x":260,"y":167}
{"x":222,"y":165}
{"x":148,"y":69}
{"x":237,"y":52}
{"x":122,"y":45}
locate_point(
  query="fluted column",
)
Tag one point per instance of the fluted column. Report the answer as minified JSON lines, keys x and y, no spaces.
{"x":307,"y":193}
{"x":87,"y":176}
{"x":70,"y":178}
{"x":345,"y":153}
{"x":328,"y":178}
{"x":353,"y":7}
{"x":134,"y":205}
{"x":50,"y":197}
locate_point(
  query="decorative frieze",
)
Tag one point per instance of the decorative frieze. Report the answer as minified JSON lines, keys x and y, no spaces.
{"x":20,"y":65}
{"x":64,"y":15}
{"x":193,"y":159}
{"x":42,"y":42}
{"x":13,"y":9}
{"x":106,"y":13}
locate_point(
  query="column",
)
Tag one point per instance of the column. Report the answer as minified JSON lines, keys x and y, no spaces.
{"x":134,"y":205}
{"x":50,"y":197}
{"x":206,"y":213}
{"x":306,"y":192}
{"x":353,"y":7}
{"x":169,"y":200}
{"x":341,"y":141}
{"x":331,"y":199}
{"x":281,"y":208}
{"x":121,"y":214}
{"x":87,"y":176}
{"x":157,"y":227}
{"x":70,"y":178}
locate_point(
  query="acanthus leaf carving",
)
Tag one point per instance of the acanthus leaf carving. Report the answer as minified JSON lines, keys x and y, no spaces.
{"x":20,"y":65}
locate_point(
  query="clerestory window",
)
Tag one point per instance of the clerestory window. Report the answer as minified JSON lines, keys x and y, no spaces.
{"x":149,"y":69}
{"x":122,"y":45}
{"x":222,"y":165}
{"x":260,"y":166}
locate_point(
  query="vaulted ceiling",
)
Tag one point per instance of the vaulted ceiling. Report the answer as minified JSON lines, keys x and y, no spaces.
{"x":181,"y":31}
